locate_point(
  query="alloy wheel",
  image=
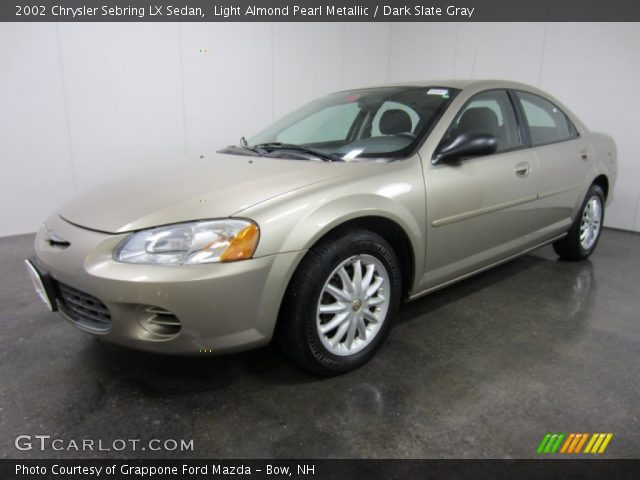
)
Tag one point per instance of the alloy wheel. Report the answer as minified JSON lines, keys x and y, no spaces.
{"x":353,"y":305}
{"x":591,"y":222}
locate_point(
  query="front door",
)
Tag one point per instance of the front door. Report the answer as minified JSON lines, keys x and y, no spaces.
{"x":480,"y":210}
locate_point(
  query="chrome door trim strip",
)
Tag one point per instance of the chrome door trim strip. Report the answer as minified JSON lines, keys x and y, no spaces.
{"x":558,"y":191}
{"x":482,"y":211}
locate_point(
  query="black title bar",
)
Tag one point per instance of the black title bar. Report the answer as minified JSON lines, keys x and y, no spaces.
{"x":318,"y":469}
{"x":319,"y":11}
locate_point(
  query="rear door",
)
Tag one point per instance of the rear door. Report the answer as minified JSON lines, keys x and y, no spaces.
{"x":564,"y":159}
{"x":480,"y":210}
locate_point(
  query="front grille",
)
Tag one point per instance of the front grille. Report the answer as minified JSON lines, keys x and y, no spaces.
{"x":83,"y":309}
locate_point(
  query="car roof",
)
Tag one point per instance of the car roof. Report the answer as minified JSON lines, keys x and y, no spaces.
{"x":462,"y":84}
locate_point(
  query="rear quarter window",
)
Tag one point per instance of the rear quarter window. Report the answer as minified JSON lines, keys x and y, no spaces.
{"x":546,"y":122}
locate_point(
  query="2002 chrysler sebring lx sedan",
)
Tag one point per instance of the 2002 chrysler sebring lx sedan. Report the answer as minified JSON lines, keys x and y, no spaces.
{"x":316,"y":229}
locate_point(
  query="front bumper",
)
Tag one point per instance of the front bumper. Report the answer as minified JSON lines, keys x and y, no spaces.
{"x":221,"y":307}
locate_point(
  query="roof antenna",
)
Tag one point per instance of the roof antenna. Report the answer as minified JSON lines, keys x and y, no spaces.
{"x":473,"y":65}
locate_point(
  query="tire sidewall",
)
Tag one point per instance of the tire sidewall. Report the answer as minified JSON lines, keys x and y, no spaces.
{"x":594,"y":191}
{"x":345,"y":247}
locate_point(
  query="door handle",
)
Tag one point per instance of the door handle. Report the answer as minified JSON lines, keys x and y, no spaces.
{"x":522,"y":169}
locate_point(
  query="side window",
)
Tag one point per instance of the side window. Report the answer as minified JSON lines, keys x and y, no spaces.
{"x":395,"y":108}
{"x":328,"y":125}
{"x":491,"y":113}
{"x":547,"y":123}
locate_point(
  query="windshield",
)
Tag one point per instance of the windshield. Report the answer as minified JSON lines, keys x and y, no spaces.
{"x":387,"y":122}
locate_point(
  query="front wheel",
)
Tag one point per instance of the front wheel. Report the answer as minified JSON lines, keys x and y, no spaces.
{"x":339,"y":304}
{"x":582,"y":238}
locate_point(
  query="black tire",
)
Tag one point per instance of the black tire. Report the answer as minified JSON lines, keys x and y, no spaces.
{"x":297,"y":330}
{"x":570,"y":247}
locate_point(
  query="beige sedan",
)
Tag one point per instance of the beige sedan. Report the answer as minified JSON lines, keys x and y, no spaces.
{"x":315,"y":230}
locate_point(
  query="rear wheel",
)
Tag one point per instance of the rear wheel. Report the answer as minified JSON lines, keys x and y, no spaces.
{"x":338,"y":308}
{"x":584,"y":234}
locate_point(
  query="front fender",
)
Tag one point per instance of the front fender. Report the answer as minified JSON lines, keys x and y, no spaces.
{"x":297,"y":220}
{"x":339,"y":211}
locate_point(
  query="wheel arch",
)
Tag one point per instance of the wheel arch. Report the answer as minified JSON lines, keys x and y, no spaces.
{"x":385,"y":227}
{"x":393,"y":233}
{"x":603,"y":182}
{"x":389,"y":229}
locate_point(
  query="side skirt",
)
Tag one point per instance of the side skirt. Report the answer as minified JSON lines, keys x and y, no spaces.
{"x":487,"y":267}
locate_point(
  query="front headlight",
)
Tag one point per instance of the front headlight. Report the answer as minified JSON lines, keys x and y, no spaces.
{"x":191,"y":243}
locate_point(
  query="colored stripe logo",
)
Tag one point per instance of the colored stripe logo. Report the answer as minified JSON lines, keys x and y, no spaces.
{"x":574,"y":442}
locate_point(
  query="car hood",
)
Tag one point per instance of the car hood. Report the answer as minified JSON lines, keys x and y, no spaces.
{"x":218,"y":188}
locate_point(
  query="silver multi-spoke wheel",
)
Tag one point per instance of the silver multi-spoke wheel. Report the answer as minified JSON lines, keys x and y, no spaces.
{"x":591,"y":221}
{"x":582,"y":238}
{"x":353,"y":305}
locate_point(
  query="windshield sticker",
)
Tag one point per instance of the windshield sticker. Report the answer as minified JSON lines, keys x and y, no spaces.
{"x":353,"y":98}
{"x":443,"y":92}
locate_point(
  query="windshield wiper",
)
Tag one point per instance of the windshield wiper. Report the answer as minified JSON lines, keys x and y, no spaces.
{"x":244,"y":145}
{"x":241,"y":150}
{"x":330,"y":157}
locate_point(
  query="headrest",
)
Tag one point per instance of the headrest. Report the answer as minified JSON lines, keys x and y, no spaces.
{"x":394,"y":122}
{"x":479,"y":119}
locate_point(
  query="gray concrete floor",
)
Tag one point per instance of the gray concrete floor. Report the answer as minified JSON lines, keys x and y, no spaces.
{"x":481,"y":369}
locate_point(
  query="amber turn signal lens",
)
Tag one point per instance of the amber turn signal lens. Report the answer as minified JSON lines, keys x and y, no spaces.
{"x":243,"y":244}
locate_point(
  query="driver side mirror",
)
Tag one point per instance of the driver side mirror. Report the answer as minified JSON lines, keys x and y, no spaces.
{"x":466,"y":145}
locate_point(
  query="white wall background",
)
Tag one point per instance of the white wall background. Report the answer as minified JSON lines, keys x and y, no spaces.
{"x":85,"y":103}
